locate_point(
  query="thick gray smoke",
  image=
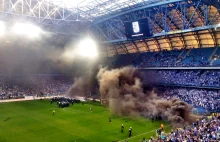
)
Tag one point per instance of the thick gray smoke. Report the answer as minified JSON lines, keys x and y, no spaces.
{"x":121,"y":89}
{"x":20,"y":55}
{"x":86,"y":84}
{"x":79,"y":88}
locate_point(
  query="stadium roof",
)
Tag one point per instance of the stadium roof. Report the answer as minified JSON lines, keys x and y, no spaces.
{"x":58,"y":11}
{"x":174,"y":23}
{"x":92,"y":9}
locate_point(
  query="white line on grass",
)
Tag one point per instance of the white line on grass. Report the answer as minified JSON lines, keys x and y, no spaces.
{"x":116,"y":118}
{"x":141,"y":134}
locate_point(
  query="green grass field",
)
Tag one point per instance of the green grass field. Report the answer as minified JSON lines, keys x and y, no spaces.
{"x":32,"y":121}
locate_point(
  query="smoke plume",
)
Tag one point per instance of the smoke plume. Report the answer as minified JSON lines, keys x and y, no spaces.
{"x":79,"y":88}
{"x":86,"y":84}
{"x":121,"y":89}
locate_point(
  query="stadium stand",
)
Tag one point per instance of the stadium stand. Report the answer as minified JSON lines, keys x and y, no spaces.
{"x":186,"y":78}
{"x":203,"y":130}
{"x":203,"y":100}
{"x":142,"y":33}
{"x":178,"y":58}
{"x":38,"y":86}
{"x":216,"y":58}
{"x":197,"y":57}
{"x":197,"y":87}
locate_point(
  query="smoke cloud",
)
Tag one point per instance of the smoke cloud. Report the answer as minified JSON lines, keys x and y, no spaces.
{"x":121,"y":89}
{"x":79,"y":88}
{"x":86,"y":83}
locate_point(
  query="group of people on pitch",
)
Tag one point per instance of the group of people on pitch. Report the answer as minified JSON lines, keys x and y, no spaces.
{"x":122,"y":128}
{"x":129,"y":130}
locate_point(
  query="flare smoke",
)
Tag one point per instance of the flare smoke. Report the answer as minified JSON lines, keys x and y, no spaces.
{"x":79,"y":88}
{"x":121,"y":89}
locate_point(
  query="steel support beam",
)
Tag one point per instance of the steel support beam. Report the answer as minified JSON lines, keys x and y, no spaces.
{"x":213,"y":34}
{"x":136,"y":47}
{"x":189,"y":21}
{"x":38,"y":11}
{"x":116,"y":51}
{"x":136,"y":9}
{"x":161,"y":19}
{"x":198,"y":39}
{"x":157,"y":44}
{"x":146,"y":46}
{"x":171,"y":33}
{"x":183,"y":41}
{"x":125,"y":48}
{"x":213,"y":18}
{"x":169,"y":42}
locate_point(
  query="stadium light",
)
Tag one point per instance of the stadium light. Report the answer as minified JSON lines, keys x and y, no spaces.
{"x":88,"y":48}
{"x":27,"y":29}
{"x":2,"y":28}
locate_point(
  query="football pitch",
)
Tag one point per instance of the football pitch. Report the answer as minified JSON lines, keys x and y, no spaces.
{"x":32,"y":121}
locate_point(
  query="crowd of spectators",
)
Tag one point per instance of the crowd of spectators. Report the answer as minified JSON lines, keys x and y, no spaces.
{"x":209,"y":100}
{"x":177,"y":58}
{"x":160,"y":59}
{"x":206,"y":129}
{"x":36,"y":86}
{"x":56,"y":86}
{"x":198,"y":78}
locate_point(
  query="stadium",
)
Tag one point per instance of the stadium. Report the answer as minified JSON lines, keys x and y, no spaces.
{"x":110,"y":70}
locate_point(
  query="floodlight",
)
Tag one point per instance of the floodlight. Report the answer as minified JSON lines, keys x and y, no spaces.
{"x":26,"y":29}
{"x":88,"y":48}
{"x":2,"y":28}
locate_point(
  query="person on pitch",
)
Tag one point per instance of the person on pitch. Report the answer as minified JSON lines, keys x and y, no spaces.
{"x":161,"y":126}
{"x":129,"y":132}
{"x":122,"y":128}
{"x":53,"y":112}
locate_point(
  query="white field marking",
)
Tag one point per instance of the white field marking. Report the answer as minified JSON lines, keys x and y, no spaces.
{"x":141,"y":134}
{"x":119,"y":118}
{"x":116,"y":119}
{"x":96,"y":113}
{"x":24,"y":99}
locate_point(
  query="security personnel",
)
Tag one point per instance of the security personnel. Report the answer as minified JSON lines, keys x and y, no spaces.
{"x":129,"y":132}
{"x":122,"y":128}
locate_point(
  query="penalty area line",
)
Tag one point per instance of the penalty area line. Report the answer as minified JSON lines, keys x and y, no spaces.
{"x":141,"y":134}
